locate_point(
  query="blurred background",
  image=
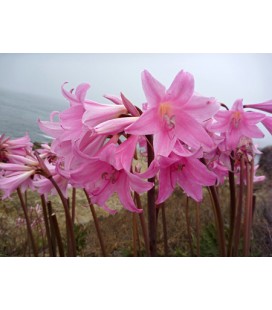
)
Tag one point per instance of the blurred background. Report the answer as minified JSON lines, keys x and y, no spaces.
{"x":30,"y":83}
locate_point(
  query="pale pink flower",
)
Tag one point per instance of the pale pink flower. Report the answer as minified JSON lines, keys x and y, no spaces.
{"x":174,"y":114}
{"x":19,"y":146}
{"x":14,"y":177}
{"x":237,"y":123}
{"x":264,"y":106}
{"x":114,"y":126}
{"x":109,"y":172}
{"x":267,"y":122}
{"x":188,"y":172}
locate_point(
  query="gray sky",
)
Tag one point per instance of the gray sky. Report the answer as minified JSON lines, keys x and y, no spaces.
{"x":224,"y":76}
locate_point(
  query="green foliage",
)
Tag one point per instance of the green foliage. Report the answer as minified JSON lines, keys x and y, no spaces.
{"x":208,"y":242}
{"x":81,"y":234}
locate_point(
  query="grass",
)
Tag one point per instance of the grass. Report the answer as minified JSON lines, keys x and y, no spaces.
{"x":117,"y":230}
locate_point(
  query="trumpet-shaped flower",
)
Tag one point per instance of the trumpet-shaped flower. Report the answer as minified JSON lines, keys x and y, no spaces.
{"x":264,"y":106}
{"x":108,"y":173}
{"x":237,"y":123}
{"x":19,"y":146}
{"x":188,"y":172}
{"x":174,"y":114}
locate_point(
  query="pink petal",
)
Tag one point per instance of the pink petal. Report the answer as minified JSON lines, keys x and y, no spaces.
{"x":251,"y":131}
{"x":252,"y":117}
{"x":181,"y":89}
{"x":189,"y":131}
{"x":201,"y":108}
{"x":147,"y":123}
{"x":164,"y":142}
{"x":129,"y":106}
{"x":114,"y":99}
{"x":14,"y":167}
{"x":238,"y":105}
{"x":166,"y":187}
{"x":267,"y":122}
{"x":123,"y":190}
{"x":81,"y":91}
{"x":52,"y":129}
{"x":153,"y":89}
{"x":191,"y":189}
{"x":137,"y":184}
{"x":114,"y":126}
{"x":264,"y":106}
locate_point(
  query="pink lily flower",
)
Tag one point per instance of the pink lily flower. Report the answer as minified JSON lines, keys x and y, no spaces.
{"x":114,"y":126}
{"x":18,"y":174}
{"x":264,"y":106}
{"x":109,"y":172}
{"x":19,"y":146}
{"x":267,"y":122}
{"x":188,"y":172}
{"x":174,"y":114}
{"x":237,"y":123}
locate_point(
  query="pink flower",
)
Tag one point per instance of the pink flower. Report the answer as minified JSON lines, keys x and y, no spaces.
{"x":236,"y":123}
{"x":264,"y":106}
{"x":109,"y":172}
{"x":14,"y":176}
{"x":267,"y":122}
{"x":19,"y":146}
{"x":188,"y":172}
{"x":114,"y":126}
{"x":174,"y":114}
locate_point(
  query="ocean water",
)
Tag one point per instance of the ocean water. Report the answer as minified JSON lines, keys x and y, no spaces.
{"x":19,"y":114}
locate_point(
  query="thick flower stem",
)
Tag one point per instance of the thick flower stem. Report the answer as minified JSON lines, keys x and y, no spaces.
{"x":69,"y":224}
{"x":238,"y":218}
{"x":219,"y":221}
{"x":52,"y":229}
{"x":164,"y":226}
{"x":232,"y":206}
{"x":58,"y":235}
{"x":46,"y":224}
{"x":188,"y":225}
{"x":96,"y":223}
{"x":197,"y":229}
{"x":28,"y":225}
{"x":73,"y":205}
{"x":143,"y":224}
{"x":151,"y":202}
{"x":135,"y":234}
{"x":248,"y":208}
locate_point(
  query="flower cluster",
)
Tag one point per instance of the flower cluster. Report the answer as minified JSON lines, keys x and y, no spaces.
{"x":100,"y":147}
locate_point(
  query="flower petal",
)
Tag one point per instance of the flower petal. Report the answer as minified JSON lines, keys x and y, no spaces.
{"x":201,"y":108}
{"x":147,"y":123}
{"x":181,"y":89}
{"x":189,"y":131}
{"x":153,"y":89}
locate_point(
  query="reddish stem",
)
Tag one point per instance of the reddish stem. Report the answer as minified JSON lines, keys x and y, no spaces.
{"x":96,"y":223}
{"x":28,"y":225}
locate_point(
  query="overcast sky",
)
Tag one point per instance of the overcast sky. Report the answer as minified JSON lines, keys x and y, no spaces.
{"x":224,"y":76}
